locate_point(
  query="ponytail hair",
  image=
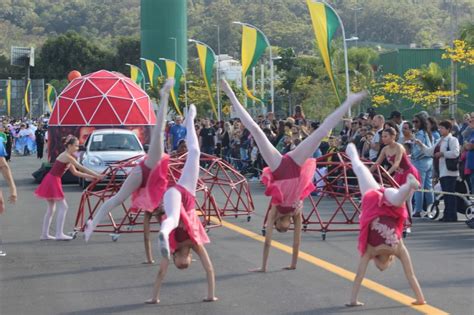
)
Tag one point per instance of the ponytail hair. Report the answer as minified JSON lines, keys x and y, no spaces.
{"x":68,"y":140}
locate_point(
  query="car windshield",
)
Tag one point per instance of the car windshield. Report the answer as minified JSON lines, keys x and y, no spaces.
{"x":114,"y":142}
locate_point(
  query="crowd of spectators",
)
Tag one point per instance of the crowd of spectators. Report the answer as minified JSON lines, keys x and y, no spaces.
{"x":432,"y":147}
{"x":429,"y":145}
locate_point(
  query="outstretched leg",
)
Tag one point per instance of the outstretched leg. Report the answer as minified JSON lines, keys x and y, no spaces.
{"x":190,"y":172}
{"x":269,"y":153}
{"x":398,"y":197}
{"x":131,"y":184}
{"x":306,"y":148}
{"x":364,"y":176}
{"x":156,"y":149}
{"x":188,"y":179}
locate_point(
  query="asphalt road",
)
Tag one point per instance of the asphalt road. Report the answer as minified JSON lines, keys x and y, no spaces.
{"x":105,"y":277}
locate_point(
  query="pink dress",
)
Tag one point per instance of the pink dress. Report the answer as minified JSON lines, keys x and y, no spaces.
{"x":153,"y":186}
{"x":405,"y":168}
{"x":380,"y":222}
{"x":289,"y":184}
{"x":190,"y":227}
{"x":50,"y":187}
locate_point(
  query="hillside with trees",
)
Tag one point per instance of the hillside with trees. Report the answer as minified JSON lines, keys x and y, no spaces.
{"x":286,"y":22}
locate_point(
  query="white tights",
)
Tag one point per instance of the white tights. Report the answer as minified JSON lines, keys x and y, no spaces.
{"x":188,"y":179}
{"x":134,"y":179}
{"x":61,"y":217}
{"x":396,"y":197}
{"x":306,"y":148}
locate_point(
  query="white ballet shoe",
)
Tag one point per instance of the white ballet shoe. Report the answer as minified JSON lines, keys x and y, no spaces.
{"x":414,"y":183}
{"x":63,"y":237}
{"x":351,"y":151}
{"x":88,"y":230}
{"x":357,"y":97}
{"x":164,"y":245}
{"x":47,"y":237}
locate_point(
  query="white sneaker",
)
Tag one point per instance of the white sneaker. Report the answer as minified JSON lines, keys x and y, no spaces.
{"x":3,"y":253}
{"x":254,"y":179}
{"x":164,"y":245}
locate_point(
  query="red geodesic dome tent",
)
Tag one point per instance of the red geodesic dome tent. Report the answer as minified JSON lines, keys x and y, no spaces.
{"x":101,"y":99}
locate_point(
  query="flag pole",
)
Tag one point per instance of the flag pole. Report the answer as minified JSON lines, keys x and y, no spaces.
{"x":344,"y":41}
{"x":154,"y":63}
{"x":185,"y":84}
{"x":216,"y":58}
{"x":272,"y":74}
{"x":142,"y":84}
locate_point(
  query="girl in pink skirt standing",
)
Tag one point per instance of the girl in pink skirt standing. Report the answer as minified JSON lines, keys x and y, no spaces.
{"x":51,"y":189}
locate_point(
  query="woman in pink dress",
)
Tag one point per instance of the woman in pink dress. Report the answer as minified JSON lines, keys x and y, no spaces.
{"x":51,"y":189}
{"x":288,"y":178}
{"x":182,"y":230}
{"x":383,"y":214}
{"x":396,"y":155}
{"x":146,"y":182}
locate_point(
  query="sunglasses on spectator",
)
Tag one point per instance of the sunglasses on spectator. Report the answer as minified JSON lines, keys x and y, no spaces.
{"x":415,"y":121}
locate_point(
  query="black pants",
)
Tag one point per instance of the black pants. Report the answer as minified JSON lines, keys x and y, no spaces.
{"x":39,"y":150}
{"x":448,"y":184}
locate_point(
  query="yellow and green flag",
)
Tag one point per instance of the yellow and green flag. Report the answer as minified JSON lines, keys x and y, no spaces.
{"x":325,"y":24}
{"x":207,"y":60}
{"x":154,"y":72}
{"x":27,"y":96}
{"x":51,"y":96}
{"x":253,"y":47}
{"x":8,"y":96}
{"x":136,"y":74}
{"x":173,"y":70}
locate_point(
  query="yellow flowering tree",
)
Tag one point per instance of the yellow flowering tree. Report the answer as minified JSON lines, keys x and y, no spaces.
{"x":461,"y":53}
{"x":425,"y":86}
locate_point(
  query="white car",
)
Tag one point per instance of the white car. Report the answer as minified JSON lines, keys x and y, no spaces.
{"x":109,"y":146}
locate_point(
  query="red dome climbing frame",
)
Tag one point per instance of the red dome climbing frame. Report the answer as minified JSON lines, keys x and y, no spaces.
{"x":336,"y":182}
{"x":221,"y":191}
{"x":102,"y":98}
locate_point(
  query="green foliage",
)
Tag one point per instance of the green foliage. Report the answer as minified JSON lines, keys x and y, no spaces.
{"x":67,"y":52}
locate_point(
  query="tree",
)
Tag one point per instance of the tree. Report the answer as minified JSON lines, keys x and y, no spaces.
{"x":67,"y":52}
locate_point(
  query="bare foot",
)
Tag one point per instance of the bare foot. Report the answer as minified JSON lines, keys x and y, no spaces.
{"x":354,"y":304}
{"x":418,"y":303}
{"x":47,"y":238}
{"x":212,"y":299}
{"x":152,"y":301}
{"x":257,"y":270}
